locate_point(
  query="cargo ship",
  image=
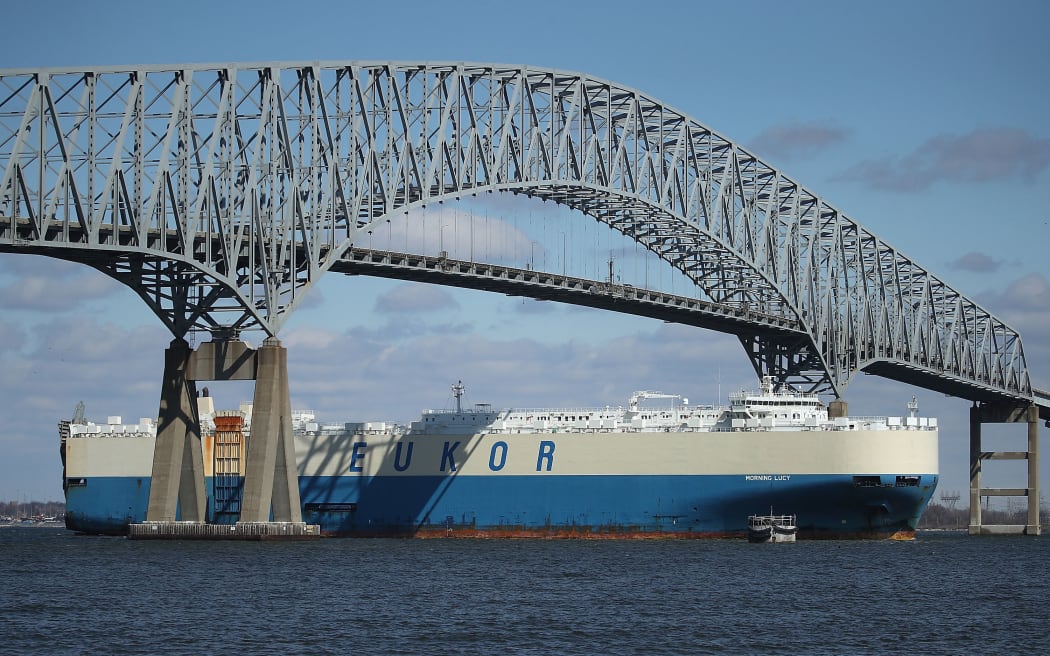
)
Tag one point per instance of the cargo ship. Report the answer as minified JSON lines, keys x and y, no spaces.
{"x":644,"y":469}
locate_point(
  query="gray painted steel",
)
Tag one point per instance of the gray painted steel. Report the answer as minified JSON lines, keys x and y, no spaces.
{"x":220,"y":193}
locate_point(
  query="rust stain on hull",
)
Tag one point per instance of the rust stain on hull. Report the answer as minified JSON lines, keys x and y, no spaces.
{"x":603,"y":533}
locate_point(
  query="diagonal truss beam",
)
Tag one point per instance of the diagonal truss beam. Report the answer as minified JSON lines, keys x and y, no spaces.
{"x":221,"y":193}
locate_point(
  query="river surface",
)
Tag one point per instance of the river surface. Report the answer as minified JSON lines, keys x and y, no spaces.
{"x":943,"y":593}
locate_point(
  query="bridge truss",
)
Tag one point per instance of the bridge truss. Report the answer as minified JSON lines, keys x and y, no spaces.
{"x":220,"y":193}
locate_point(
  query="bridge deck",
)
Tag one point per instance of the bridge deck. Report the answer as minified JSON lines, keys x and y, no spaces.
{"x":546,"y":286}
{"x":1042,"y":399}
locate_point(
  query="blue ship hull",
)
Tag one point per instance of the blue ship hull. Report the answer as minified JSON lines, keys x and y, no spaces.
{"x":687,"y":506}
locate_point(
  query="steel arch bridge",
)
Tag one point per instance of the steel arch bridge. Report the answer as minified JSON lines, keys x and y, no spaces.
{"x":220,"y":193}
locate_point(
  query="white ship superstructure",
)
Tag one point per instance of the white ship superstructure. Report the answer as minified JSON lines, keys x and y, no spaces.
{"x":768,"y":409}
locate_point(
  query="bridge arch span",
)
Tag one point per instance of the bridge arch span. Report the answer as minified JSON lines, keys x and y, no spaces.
{"x":696,"y":253}
{"x":264,"y":174}
{"x":720,"y":272}
{"x":184,"y":293}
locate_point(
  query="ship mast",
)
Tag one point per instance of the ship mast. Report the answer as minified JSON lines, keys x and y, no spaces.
{"x":457,"y":391}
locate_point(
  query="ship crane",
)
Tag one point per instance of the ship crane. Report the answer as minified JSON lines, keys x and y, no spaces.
{"x":638,"y":396}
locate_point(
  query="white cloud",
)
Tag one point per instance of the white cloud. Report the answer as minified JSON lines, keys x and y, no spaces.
{"x":309,"y":338}
{"x":798,"y":139}
{"x":983,"y":155}
{"x":362,"y":374}
{"x":976,"y":262}
{"x":415,"y":297}
{"x":56,"y":289}
{"x":115,"y":370}
{"x":1024,"y":304}
{"x":533,"y":306}
{"x":1027,"y":296}
{"x":453,"y":228}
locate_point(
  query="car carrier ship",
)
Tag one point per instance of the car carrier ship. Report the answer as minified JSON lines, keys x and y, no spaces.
{"x":677,"y":470}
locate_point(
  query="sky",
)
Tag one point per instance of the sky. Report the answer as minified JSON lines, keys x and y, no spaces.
{"x":925,"y":122}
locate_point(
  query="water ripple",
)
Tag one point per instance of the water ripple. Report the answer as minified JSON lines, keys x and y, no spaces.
{"x":941,"y":594}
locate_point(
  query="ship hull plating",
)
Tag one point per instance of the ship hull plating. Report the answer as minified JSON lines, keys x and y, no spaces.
{"x":460,"y":477}
{"x":607,"y":506}
{"x":594,"y":507}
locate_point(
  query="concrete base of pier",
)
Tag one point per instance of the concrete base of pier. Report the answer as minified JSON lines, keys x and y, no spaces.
{"x":1003,"y":529}
{"x":239,"y":531}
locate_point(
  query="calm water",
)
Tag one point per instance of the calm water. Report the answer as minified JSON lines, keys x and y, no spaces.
{"x":943,"y":593}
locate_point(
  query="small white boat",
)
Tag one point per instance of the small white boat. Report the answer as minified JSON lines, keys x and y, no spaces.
{"x":771,"y":528}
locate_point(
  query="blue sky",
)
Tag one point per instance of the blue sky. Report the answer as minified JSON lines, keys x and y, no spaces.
{"x":926,"y":122}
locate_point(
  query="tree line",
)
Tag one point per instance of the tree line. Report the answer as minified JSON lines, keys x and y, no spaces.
{"x":938,"y":516}
{"x":20,"y":509}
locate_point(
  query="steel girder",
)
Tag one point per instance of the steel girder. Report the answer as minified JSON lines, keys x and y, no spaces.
{"x":221,"y":192}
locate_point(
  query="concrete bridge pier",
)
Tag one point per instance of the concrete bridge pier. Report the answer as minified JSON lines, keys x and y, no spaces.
{"x":270,"y":506}
{"x":178,"y":462}
{"x":838,"y":408}
{"x":986,"y":413}
{"x":270,"y":478}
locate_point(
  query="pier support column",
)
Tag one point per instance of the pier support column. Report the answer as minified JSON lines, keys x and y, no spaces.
{"x":178,"y":462}
{"x":270,"y":478}
{"x":1004,"y":412}
{"x":975,"y":470}
{"x":838,"y":408}
{"x":1033,"y":527}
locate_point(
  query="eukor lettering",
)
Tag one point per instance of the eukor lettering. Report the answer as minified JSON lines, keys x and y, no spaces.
{"x":497,"y":457}
{"x":447,"y":457}
{"x":500,"y":447}
{"x":546,"y":453}
{"x":402,"y":466}
{"x":357,"y":455}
